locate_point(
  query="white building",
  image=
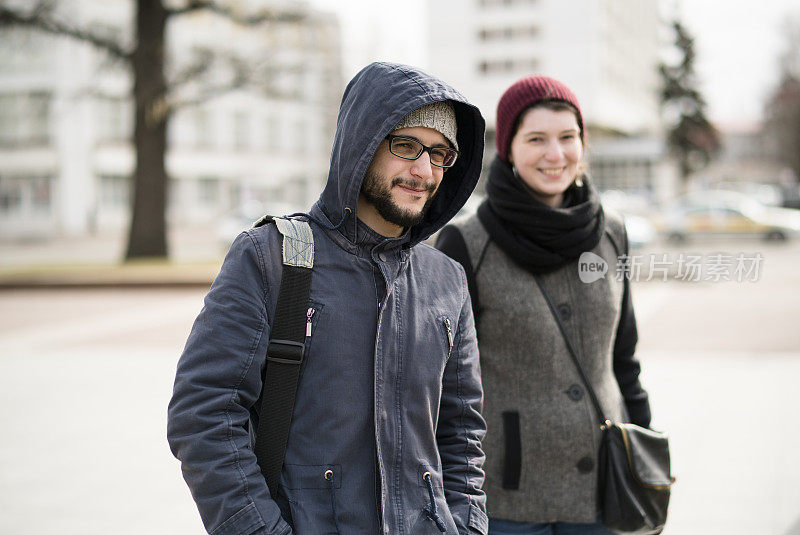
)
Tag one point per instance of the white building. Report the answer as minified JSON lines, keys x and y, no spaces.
{"x":607,"y":51}
{"x":66,"y":121}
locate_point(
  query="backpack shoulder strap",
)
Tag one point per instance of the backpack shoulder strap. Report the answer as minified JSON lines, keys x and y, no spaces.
{"x":286,"y":348}
{"x":451,"y":241}
{"x":615,"y":228}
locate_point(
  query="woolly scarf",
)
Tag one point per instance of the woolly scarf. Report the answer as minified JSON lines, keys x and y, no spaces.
{"x":537,"y":237}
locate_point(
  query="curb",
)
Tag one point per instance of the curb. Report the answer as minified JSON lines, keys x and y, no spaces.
{"x":109,"y":276}
{"x":100,"y":285}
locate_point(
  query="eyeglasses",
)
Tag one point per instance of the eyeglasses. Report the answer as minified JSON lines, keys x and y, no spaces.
{"x":409,"y":148}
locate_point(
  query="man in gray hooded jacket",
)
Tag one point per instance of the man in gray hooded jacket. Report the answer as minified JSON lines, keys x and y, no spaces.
{"x":386,"y":432}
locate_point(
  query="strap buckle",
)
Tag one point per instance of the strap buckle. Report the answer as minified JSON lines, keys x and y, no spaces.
{"x":285,"y":351}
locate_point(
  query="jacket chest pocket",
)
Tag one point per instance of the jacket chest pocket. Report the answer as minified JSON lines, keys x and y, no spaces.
{"x":433,"y":345}
{"x":313,"y":315}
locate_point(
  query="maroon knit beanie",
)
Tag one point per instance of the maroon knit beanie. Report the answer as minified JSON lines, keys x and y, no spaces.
{"x":522,"y":95}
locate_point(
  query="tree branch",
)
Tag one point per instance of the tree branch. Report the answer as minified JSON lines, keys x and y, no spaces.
{"x":259,"y":17}
{"x":200,"y":65}
{"x":242,"y":77}
{"x":42,"y":17}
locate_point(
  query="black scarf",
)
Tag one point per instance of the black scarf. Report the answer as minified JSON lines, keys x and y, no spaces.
{"x":537,"y":237}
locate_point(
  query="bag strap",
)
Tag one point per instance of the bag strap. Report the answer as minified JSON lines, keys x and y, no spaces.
{"x":573,"y":353}
{"x":458,"y":250}
{"x":478,"y":309}
{"x":285,"y":350}
{"x":451,"y":241}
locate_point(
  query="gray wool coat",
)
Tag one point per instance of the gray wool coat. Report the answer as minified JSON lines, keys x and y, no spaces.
{"x":535,"y":404}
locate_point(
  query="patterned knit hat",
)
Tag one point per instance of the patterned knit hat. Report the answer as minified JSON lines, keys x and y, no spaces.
{"x":438,"y":115}
{"x":522,"y":95}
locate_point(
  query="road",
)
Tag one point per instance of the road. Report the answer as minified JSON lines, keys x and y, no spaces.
{"x":85,"y":377}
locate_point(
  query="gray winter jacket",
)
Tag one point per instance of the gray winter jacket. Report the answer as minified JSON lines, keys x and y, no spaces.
{"x":543,"y":432}
{"x":390,"y":384}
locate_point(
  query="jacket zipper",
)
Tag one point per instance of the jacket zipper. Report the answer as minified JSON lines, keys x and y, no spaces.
{"x":309,"y":315}
{"x":381,"y":497}
{"x":449,"y":337}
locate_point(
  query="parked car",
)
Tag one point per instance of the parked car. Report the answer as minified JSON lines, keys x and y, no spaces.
{"x":727,"y":213}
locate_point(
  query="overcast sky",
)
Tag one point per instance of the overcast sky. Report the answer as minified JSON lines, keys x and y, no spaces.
{"x":738,"y":42}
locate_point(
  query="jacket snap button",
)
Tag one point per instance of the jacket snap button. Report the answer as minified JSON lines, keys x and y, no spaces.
{"x":585,"y":465}
{"x":564,"y":311}
{"x":382,"y":256}
{"x":575,"y":392}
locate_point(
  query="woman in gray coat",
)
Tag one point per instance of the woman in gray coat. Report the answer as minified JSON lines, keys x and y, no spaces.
{"x":541,"y":215}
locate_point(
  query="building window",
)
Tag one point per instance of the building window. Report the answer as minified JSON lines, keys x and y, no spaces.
{"x":508,"y":33}
{"x":204,"y":134}
{"x":10,"y":196}
{"x":273,"y":133}
{"x":504,"y":66}
{"x":241,"y":135}
{"x":114,"y":119}
{"x":301,"y":137}
{"x":24,"y":50}
{"x":41,"y":198}
{"x":622,"y":173}
{"x":24,"y":119}
{"x":115,"y":191}
{"x":25,"y":195}
{"x":207,"y":190}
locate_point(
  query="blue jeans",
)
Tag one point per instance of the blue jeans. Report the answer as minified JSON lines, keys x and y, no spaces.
{"x":507,"y":527}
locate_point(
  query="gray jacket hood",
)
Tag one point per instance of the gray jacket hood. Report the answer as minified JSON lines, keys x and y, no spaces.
{"x":375,"y":100}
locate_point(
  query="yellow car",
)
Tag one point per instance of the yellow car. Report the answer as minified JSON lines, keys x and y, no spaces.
{"x":731,"y":214}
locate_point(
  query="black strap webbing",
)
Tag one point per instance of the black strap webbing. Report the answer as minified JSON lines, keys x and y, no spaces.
{"x":284,"y":357}
{"x":457,"y":250}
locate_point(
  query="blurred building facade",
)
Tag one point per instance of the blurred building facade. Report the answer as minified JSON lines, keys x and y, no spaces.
{"x":66,"y":121}
{"x":607,"y":51}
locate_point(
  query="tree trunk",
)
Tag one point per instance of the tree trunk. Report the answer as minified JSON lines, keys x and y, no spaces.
{"x":147,"y":236}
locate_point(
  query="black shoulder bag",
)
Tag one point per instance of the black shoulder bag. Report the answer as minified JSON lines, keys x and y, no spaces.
{"x":634,"y":478}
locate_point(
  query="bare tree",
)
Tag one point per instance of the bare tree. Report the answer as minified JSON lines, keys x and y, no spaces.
{"x":154,"y":96}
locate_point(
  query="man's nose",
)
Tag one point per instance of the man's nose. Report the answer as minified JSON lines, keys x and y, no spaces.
{"x":423,"y":167}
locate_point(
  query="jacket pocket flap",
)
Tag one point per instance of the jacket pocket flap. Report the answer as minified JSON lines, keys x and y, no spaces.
{"x":477,"y":518}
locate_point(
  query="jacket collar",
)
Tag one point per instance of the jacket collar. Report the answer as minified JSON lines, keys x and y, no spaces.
{"x":364,"y":241}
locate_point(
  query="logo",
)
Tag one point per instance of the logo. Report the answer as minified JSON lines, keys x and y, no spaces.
{"x":591,"y":267}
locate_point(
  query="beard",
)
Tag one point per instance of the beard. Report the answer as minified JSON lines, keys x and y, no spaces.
{"x":376,"y":192}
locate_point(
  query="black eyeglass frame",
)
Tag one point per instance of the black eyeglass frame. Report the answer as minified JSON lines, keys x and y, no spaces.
{"x":425,"y":148}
